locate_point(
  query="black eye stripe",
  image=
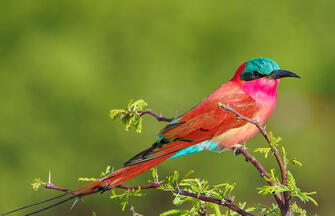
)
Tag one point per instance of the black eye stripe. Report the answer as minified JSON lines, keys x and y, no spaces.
{"x":252,"y":76}
{"x":257,"y":74}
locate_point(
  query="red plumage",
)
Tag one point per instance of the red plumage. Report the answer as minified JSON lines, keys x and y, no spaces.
{"x":205,"y":121}
{"x":251,"y":92}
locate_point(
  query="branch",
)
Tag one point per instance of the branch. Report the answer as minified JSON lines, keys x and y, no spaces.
{"x":52,"y":186}
{"x":226,"y":203}
{"x":259,"y":167}
{"x":282,"y":166}
{"x":222,"y":202}
{"x":266,"y":136}
{"x":141,"y":113}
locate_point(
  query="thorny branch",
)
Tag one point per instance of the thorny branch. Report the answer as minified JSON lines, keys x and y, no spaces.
{"x":283,"y":204}
{"x":259,"y":167}
{"x":223,"y":202}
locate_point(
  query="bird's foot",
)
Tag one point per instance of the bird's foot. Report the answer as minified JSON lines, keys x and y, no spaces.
{"x":236,"y":149}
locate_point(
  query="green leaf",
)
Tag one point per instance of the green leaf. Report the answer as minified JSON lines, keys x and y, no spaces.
{"x":296,"y":162}
{"x":37,"y":182}
{"x":131,"y":116}
{"x":188,"y":174}
{"x":285,"y":160}
{"x":264,"y":151}
{"x":174,"y":212}
{"x":114,"y":113}
{"x":124,"y":197}
{"x":296,"y":209}
{"x":295,"y":191}
{"x":178,"y":200}
{"x":215,"y":207}
{"x":107,"y":171}
{"x":87,"y":179}
{"x":267,"y":189}
{"x":274,"y":141}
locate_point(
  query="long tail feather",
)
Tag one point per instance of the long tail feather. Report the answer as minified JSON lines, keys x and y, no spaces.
{"x":122,"y":175}
{"x":112,"y":180}
{"x":53,"y":205}
{"x":34,"y":204}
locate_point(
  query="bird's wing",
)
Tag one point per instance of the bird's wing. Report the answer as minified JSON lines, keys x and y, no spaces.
{"x":201,"y":123}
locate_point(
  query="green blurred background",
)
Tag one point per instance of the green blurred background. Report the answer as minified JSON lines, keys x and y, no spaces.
{"x":65,"y":64}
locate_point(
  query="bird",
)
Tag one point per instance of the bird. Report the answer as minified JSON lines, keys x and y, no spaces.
{"x":252,"y":92}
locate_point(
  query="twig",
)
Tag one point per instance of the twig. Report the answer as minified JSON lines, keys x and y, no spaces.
{"x":213,"y":200}
{"x":50,"y":185}
{"x":266,"y":136}
{"x":285,"y":204}
{"x":259,"y":167}
{"x":141,"y":113}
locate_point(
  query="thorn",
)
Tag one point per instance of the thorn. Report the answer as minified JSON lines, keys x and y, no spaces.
{"x":156,"y":175}
{"x":74,"y":203}
{"x":223,"y":201}
{"x":179,"y":191}
{"x":49,"y":176}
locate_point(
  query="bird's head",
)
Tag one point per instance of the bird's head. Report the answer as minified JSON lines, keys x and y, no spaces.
{"x":262,"y":67}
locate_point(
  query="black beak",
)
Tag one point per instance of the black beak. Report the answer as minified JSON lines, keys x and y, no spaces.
{"x":277,"y":74}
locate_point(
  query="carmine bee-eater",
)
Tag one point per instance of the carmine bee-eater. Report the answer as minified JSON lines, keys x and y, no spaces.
{"x":251,"y":92}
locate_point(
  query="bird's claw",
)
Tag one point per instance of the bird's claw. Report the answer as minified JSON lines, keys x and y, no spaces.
{"x":236,"y":149}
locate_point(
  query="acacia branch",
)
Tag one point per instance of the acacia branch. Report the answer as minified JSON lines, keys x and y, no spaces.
{"x":284,"y":204}
{"x":266,"y":136}
{"x":226,"y":203}
{"x":52,"y":186}
{"x":263,"y":173}
{"x":222,"y":202}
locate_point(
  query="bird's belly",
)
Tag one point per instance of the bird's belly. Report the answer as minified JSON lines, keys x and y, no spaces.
{"x":235,"y":136}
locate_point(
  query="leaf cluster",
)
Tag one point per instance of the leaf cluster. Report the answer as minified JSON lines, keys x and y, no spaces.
{"x":291,"y":186}
{"x":124,"y":197}
{"x":37,"y":183}
{"x":222,"y":191}
{"x":131,"y":116}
